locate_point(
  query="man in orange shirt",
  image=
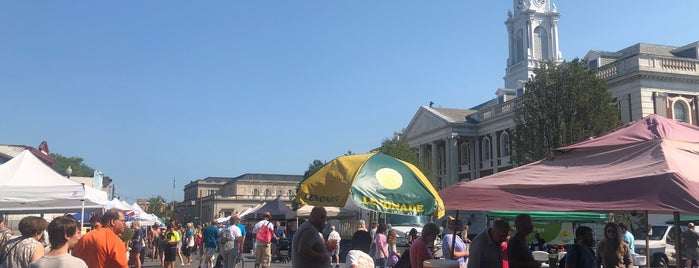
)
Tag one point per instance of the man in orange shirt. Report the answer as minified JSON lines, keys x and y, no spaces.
{"x":103,"y":248}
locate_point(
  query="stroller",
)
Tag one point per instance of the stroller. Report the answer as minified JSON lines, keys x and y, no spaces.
{"x":283,"y":246}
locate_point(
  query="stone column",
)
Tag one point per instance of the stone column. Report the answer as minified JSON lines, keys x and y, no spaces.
{"x":435,"y":163}
{"x":475,"y":158}
{"x":453,"y":158}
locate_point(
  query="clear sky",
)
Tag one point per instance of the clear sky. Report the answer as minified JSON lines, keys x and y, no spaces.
{"x":148,"y":91}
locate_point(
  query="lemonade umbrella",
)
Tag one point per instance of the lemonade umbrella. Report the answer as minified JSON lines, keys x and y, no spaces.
{"x":375,"y":182}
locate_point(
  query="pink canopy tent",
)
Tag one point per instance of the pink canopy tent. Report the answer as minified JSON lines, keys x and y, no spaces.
{"x":650,"y":164}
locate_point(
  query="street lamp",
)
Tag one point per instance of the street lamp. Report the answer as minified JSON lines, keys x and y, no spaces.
{"x":69,"y":171}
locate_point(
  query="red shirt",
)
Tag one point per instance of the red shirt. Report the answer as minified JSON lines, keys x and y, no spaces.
{"x":419,"y":253}
{"x":503,"y":246}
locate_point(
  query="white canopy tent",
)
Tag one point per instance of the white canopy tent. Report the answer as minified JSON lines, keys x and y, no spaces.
{"x":29,"y":185}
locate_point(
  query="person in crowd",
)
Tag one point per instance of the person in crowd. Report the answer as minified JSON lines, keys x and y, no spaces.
{"x":180,"y":232}
{"x":361,"y":226}
{"x":20,"y":251}
{"x":627,"y":237}
{"x":188,"y":243}
{"x":372,"y":232}
{"x":381,"y":254}
{"x":263,"y":251}
{"x":334,"y":245}
{"x":358,"y":256}
{"x":690,"y":240}
{"x":503,"y":248}
{"x":5,"y":233}
{"x":420,"y":249}
{"x":464,"y":235}
{"x":173,"y":239}
{"x":450,"y":242}
{"x":518,"y":252}
{"x":275,"y":240}
{"x":210,"y":242}
{"x":64,"y":233}
{"x":412,"y":235}
{"x":580,"y":254}
{"x":95,"y":222}
{"x":538,"y":243}
{"x":232,"y":248}
{"x":136,"y":244}
{"x":611,"y":251}
{"x":393,"y":253}
{"x":154,"y":234}
{"x":309,"y":251}
{"x":103,"y":247}
{"x":162,"y":244}
{"x":485,"y":250}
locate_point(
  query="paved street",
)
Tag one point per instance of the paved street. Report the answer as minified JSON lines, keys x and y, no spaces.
{"x":249,"y":262}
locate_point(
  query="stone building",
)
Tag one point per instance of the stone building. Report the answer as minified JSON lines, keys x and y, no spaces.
{"x":466,"y":144}
{"x":215,"y":197}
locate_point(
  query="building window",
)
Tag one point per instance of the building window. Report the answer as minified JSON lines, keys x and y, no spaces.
{"x":519,"y":51}
{"x":541,"y":43}
{"x":679,"y":111}
{"x":268,"y":192}
{"x":211,"y":192}
{"x":486,"y":149}
{"x":289,"y":193}
{"x":255,"y":192}
{"x":505,"y":144}
{"x":279,"y":192}
{"x":464,"y":154}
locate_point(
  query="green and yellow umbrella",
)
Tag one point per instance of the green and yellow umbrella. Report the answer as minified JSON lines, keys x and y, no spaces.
{"x":376,"y":182}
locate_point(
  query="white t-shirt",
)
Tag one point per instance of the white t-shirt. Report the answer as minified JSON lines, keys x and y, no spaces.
{"x":359,"y":258}
{"x":63,"y":260}
{"x":235,"y":233}
{"x":334,"y":235}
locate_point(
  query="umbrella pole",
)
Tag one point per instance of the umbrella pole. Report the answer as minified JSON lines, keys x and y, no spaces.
{"x":648,"y":242}
{"x":678,"y":233}
{"x":453,"y":236}
{"x":82,"y":210}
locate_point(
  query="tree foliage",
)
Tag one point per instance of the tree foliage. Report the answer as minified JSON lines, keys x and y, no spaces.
{"x":312,"y":168}
{"x":563,"y":104}
{"x":157,"y":206}
{"x":400,"y":149}
{"x":79,"y":168}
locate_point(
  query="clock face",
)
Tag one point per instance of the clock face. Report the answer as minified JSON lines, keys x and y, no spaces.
{"x":539,"y":3}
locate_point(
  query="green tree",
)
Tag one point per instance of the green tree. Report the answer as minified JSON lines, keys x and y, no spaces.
{"x":157,"y":206}
{"x":79,"y":168}
{"x":399,"y":149}
{"x":563,"y":104}
{"x":313,"y":167}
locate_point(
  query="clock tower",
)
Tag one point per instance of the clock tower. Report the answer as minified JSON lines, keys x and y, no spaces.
{"x":532,"y":31}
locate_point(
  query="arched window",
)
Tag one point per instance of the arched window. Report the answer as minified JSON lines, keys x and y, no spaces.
{"x":541,"y":43}
{"x":464,"y":154}
{"x":268,"y":192}
{"x":486,"y":149}
{"x":279,"y":192}
{"x":505,"y":145}
{"x":255,"y":192}
{"x":289,"y":193}
{"x":679,"y":111}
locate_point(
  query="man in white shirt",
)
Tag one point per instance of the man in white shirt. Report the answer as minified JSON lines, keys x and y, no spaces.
{"x":334,"y":244}
{"x":231,"y":249}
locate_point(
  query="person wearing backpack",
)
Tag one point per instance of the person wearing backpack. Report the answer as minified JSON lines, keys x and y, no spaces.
{"x":230,"y":239}
{"x":264,"y":232}
{"x":580,"y":254}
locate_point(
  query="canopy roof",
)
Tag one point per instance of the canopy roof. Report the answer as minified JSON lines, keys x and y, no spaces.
{"x":650,"y":164}
{"x":28,"y":185}
{"x":551,"y":216}
{"x":275,"y":207}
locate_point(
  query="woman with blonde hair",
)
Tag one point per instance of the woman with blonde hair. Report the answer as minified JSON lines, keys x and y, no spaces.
{"x":393,"y":253}
{"x":362,"y":226}
{"x":611,"y":251}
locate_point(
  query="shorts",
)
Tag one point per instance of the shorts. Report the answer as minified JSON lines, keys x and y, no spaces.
{"x":209,"y":252}
{"x":170,"y":254}
{"x":692,"y":253}
{"x":263,"y":254}
{"x":186,"y":251}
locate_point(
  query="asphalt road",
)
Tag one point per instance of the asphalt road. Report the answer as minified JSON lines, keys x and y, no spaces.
{"x":249,"y":262}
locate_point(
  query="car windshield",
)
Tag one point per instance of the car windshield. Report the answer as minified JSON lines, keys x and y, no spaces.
{"x":657,"y":233}
{"x":403,"y":220}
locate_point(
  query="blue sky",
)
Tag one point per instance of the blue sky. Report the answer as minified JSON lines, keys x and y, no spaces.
{"x":148,"y":91}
